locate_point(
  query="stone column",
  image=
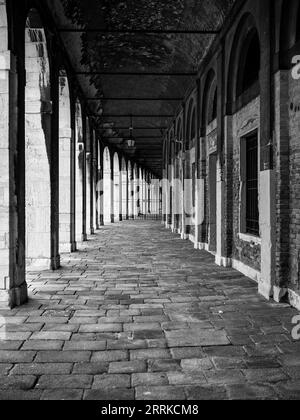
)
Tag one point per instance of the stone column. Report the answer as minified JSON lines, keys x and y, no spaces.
{"x":183,"y":179}
{"x":50,"y":116}
{"x":267,"y":173}
{"x":101,"y":186}
{"x":96,"y":184}
{"x":89,"y":189}
{"x":13,"y":287}
{"x":198,"y":196}
{"x":84,"y":188}
{"x":112,"y":192}
{"x":79,"y":177}
{"x":221,"y":231}
{"x":65,"y":142}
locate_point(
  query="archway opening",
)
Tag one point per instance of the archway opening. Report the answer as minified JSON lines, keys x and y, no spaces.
{"x":117,"y":189}
{"x":107,"y":187}
{"x":130,"y":191}
{"x":136,"y":188}
{"x":38,"y":109}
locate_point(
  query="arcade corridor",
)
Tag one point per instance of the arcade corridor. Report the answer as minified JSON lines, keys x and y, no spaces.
{"x":137,"y":313}
{"x":149,"y":199}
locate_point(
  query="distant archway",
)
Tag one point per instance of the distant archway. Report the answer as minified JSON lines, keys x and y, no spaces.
{"x":130,"y":191}
{"x":124,"y":184}
{"x":136,"y":191}
{"x":38,"y":109}
{"x":117,"y":189}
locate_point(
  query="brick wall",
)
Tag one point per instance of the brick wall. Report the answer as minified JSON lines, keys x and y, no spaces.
{"x":294,"y":167}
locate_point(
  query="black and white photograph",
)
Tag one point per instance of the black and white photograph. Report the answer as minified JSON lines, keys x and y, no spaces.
{"x":149,"y":203}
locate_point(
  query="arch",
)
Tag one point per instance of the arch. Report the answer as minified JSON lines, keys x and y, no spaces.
{"x":117,"y":189}
{"x":107,"y":186}
{"x":65,"y":155}
{"x":124,"y":186}
{"x":179,"y":136}
{"x":213,"y":105}
{"x":244,"y":45}
{"x":290,"y":25}
{"x":208,"y":97}
{"x":79,"y":174}
{"x":249,"y":63}
{"x":38,"y":109}
{"x":188,"y":123}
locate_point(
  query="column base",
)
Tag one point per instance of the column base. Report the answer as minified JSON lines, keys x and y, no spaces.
{"x":279,"y":293}
{"x":55,"y":263}
{"x":84,"y":237}
{"x":202,"y":246}
{"x":265,"y":290}
{"x":14,"y":297}
{"x":223,"y":261}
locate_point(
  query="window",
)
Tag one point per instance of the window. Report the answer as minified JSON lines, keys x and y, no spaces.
{"x":298,"y":26}
{"x":251,"y":185}
{"x":215,"y":106}
{"x":249,"y":66}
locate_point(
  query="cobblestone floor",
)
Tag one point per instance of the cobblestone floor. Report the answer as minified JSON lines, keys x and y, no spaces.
{"x":139,"y":314}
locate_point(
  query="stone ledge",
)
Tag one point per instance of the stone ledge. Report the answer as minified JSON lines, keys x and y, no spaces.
{"x":246,"y":270}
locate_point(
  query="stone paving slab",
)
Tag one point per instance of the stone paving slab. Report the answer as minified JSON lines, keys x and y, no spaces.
{"x":138,"y":313}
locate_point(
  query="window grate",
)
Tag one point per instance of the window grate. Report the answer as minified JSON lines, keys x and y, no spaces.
{"x":252,"y":210}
